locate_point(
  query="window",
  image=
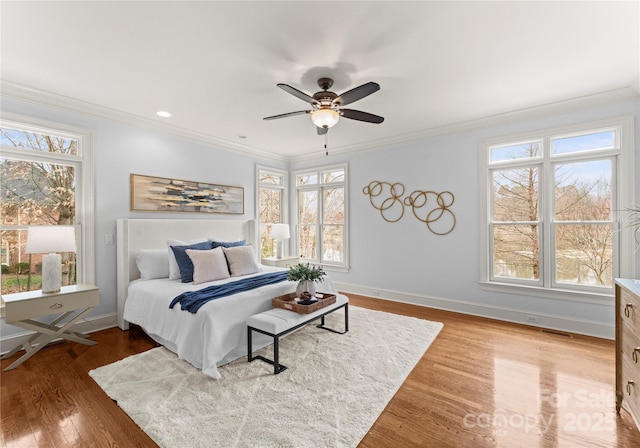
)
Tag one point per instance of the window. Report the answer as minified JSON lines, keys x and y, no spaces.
{"x":272,"y":187}
{"x":321,"y":222}
{"x":553,"y":203}
{"x":45,"y":180}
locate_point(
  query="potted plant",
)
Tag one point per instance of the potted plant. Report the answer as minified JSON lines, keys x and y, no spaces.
{"x":307,"y":276}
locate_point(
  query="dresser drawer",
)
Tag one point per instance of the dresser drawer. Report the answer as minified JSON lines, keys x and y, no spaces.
{"x":630,"y":309}
{"x":36,"y":304}
{"x":630,"y":342}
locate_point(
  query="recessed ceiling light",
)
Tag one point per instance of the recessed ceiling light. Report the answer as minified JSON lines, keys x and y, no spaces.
{"x":163,"y":114}
{"x":242,"y":137}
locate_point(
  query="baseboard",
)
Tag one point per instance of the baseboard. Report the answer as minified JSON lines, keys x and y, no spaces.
{"x":88,"y":325}
{"x":547,"y":321}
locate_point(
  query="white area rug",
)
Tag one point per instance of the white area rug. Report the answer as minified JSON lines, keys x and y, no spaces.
{"x":335,"y":387}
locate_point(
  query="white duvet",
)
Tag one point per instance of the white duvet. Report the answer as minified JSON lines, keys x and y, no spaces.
{"x":217,"y":333}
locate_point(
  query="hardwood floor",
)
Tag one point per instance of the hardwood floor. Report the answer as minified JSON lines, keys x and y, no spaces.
{"x":482,"y":383}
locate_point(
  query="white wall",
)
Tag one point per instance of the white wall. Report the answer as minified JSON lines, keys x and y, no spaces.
{"x":404,"y":261}
{"x":119,"y":150}
{"x":400,"y":261}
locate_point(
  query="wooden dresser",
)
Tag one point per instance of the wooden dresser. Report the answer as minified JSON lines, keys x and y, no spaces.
{"x":628,"y":347}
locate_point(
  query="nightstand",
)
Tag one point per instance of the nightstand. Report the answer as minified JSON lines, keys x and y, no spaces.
{"x":70,"y":302}
{"x":283,"y":262}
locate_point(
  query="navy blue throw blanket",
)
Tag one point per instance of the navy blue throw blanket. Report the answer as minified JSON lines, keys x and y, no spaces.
{"x":192,"y":300}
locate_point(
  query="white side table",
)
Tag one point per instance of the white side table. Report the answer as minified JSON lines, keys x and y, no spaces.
{"x":283,"y":262}
{"x":21,"y":308}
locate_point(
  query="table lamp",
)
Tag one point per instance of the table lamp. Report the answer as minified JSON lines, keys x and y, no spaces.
{"x":280,"y":232}
{"x":48,"y":240}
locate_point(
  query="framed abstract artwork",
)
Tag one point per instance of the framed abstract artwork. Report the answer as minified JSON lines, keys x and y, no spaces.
{"x":160,"y":194}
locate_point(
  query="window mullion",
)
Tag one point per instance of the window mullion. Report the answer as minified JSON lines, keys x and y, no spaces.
{"x":547,"y":208}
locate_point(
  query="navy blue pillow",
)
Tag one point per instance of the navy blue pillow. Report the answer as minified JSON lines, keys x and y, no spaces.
{"x":228,"y":243}
{"x":184,"y":262}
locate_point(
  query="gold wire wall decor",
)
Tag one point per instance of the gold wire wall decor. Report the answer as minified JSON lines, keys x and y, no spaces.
{"x":389,"y":204}
{"x":429,"y":207}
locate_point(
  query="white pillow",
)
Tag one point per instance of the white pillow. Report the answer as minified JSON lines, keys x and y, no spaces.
{"x":174,"y":270}
{"x":152,"y":263}
{"x":208,"y":265}
{"x":241,"y":260}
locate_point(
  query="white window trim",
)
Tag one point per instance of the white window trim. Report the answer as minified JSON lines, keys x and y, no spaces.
{"x":284,"y":197}
{"x":624,"y":266}
{"x":85,"y":258}
{"x":337,"y":267}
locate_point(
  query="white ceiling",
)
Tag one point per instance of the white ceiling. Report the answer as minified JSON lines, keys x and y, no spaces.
{"x":215,"y":65}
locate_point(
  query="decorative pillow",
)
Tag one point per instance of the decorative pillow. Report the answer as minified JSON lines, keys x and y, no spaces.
{"x":227,"y":243}
{"x":184,"y":262}
{"x":241,"y":260}
{"x":174,"y":270}
{"x":208,"y":265}
{"x":152,"y":263}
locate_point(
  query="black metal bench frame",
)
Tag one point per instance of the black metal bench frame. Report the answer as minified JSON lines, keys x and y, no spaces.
{"x":277,"y":367}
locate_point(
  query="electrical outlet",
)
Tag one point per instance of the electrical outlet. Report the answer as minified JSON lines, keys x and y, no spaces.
{"x":108,"y":240}
{"x":532,"y":319}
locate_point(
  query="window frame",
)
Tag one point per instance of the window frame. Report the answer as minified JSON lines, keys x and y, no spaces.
{"x":84,"y":194}
{"x":284,"y":201}
{"x":319,"y":187}
{"x":623,"y":189}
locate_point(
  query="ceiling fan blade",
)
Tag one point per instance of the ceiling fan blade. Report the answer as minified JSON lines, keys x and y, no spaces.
{"x":297,"y":93}
{"x":289,"y":114}
{"x":322,"y":131}
{"x":357,"y":93}
{"x":361,"y":116}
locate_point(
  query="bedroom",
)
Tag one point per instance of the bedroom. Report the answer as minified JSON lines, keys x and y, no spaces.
{"x":438,"y":271}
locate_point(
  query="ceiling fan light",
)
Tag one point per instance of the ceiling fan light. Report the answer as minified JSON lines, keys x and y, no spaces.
{"x":325,"y":118}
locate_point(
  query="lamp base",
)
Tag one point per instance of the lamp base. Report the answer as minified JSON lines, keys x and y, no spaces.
{"x":51,"y":272}
{"x":279,"y":250}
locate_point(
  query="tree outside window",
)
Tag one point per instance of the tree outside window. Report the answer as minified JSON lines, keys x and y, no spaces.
{"x":321,"y":217}
{"x":38,"y":173}
{"x":271,"y":206}
{"x":551,"y":201}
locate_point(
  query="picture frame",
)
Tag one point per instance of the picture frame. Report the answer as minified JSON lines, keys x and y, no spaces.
{"x":162,"y":194}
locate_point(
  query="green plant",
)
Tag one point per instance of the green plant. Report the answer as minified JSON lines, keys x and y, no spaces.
{"x":302,"y":272}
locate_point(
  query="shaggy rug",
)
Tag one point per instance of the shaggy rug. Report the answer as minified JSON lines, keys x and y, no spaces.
{"x":333,"y":391}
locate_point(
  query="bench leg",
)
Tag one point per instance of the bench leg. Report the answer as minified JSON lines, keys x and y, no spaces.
{"x":346,"y":321}
{"x":249,"y":345}
{"x":277,"y":367}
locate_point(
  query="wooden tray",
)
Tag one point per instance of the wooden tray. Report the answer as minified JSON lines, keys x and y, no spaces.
{"x":288,"y":302}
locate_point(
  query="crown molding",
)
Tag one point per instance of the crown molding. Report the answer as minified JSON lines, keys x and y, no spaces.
{"x":25,"y":93}
{"x":67,"y":104}
{"x":529,"y":113}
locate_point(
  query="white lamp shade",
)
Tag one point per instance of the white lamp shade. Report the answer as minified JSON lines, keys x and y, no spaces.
{"x":47,"y":239}
{"x":325,"y":118}
{"x":280,"y":231}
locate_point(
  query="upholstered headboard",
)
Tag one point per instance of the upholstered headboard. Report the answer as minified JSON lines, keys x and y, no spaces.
{"x":134,"y":234}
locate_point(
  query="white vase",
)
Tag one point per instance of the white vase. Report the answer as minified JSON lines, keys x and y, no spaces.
{"x":306,"y":285}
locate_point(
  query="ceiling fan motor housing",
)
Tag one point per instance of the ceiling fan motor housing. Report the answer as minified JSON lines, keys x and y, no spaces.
{"x":325,"y":98}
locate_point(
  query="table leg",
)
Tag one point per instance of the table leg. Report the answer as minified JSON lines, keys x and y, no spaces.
{"x":45,"y":334}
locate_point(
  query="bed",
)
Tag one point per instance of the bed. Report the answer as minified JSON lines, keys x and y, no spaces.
{"x":216,"y":333}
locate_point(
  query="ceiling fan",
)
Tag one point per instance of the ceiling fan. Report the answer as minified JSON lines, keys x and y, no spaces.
{"x":327,"y":106}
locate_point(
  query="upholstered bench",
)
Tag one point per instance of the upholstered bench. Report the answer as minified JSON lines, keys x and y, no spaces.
{"x":278,"y":322}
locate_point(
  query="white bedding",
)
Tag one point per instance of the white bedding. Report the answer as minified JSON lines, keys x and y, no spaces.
{"x":217,"y":333}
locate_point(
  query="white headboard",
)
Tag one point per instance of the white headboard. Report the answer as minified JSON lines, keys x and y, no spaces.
{"x":134,"y":234}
